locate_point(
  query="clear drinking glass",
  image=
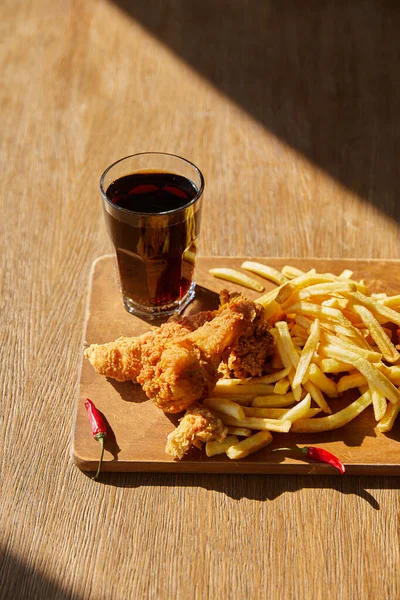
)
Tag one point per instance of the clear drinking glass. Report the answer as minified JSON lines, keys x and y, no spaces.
{"x":152,"y":205}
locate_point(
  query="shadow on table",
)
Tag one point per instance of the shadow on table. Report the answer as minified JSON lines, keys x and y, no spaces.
{"x":19,"y":581}
{"x":322,"y":76}
{"x":261,"y":488}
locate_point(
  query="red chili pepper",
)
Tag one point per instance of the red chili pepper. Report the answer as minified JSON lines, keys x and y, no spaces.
{"x":318,"y":454}
{"x":99,"y":429}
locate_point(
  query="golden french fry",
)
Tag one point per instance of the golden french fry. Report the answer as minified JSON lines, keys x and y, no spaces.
{"x":323,"y":313}
{"x":377,"y":308}
{"x":239,"y":431}
{"x":272,"y":377}
{"x":310,"y":347}
{"x":273,"y":311}
{"x":378,"y":402}
{"x":392,"y":372}
{"x":323,"y":289}
{"x":286,"y":360}
{"x":299,"y":411}
{"x":249,"y":445}
{"x":282,"y":386}
{"x":276,"y":361}
{"x":317,"y":396}
{"x":350,"y":381}
{"x":294,"y":286}
{"x":238,"y":387}
{"x":331,"y":365}
{"x":387,"y":421}
{"x":292,"y":272}
{"x":286,"y":340}
{"x":214,"y":447}
{"x":392,"y":301}
{"x":264,"y":271}
{"x":347,"y":350}
{"x":336,"y":420}
{"x":369,"y":370}
{"x":346,"y":274}
{"x":237,"y":277}
{"x":382,"y":340}
{"x":318,"y":378}
{"x":257,"y":423}
{"x":226,"y":406}
{"x":273,"y":400}
{"x":277,"y":413}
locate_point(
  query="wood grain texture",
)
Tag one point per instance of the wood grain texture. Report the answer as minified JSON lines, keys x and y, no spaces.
{"x":298,"y":146}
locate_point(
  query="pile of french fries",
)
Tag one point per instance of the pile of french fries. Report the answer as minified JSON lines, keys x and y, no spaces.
{"x":330,"y":336}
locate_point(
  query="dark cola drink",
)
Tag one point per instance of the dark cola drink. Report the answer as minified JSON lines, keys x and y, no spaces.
{"x":154,"y":220}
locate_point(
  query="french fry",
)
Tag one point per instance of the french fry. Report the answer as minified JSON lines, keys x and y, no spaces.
{"x":378,"y":402}
{"x":380,"y":311}
{"x":308,"y":351}
{"x":237,"y":277}
{"x":257,"y":423}
{"x":267,"y":297}
{"x":273,"y":400}
{"x":318,"y":378}
{"x":238,"y":387}
{"x":299,"y":411}
{"x":392,"y":301}
{"x":392,"y":372}
{"x":226,"y":406}
{"x":264,"y":271}
{"x":382,"y":340}
{"x":286,"y":361}
{"x":346,"y":274}
{"x":294,"y":286}
{"x":282,"y":386}
{"x":323,"y":313}
{"x":286,"y":340}
{"x":336,"y":420}
{"x":278,"y":413}
{"x":332,"y":350}
{"x":350,"y":381}
{"x":214,"y":447}
{"x":249,"y":445}
{"x":292,"y":272}
{"x":370,"y":372}
{"x":272,"y":377}
{"x":317,"y":396}
{"x":239,"y":431}
{"x":323,"y":289}
{"x":387,"y":421}
{"x":331,"y":365}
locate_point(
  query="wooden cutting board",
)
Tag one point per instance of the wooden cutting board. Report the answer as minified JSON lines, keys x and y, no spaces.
{"x":138,"y":430}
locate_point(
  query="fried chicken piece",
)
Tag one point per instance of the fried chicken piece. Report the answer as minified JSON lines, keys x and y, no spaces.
{"x":188,"y":368}
{"x":177,"y":363}
{"x":248,"y":355}
{"x":123,"y":359}
{"x":198,"y":426}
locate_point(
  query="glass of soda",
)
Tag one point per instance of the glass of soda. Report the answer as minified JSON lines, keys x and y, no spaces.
{"x":152,"y":206}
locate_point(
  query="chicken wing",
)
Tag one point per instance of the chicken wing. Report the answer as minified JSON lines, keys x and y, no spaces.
{"x":198,"y":426}
{"x":123,"y":359}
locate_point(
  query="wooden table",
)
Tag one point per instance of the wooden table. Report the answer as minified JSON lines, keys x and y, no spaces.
{"x":291,"y":110}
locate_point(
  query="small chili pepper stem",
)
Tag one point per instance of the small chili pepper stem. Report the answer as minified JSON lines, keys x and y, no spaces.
{"x":100,"y":438}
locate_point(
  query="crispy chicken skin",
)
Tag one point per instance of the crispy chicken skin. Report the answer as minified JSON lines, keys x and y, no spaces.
{"x":198,"y":426}
{"x":123,"y":359}
{"x":178,"y":363}
{"x":249,"y":354}
{"x":188,"y":368}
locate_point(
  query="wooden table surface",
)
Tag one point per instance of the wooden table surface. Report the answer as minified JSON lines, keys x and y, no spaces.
{"x":291,"y":110}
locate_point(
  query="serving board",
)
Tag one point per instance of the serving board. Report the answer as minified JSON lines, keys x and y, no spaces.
{"x":137,"y":429}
